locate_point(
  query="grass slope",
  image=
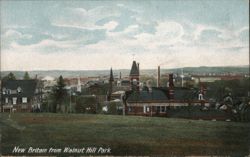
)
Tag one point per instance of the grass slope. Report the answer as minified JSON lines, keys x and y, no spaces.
{"x":129,"y":135}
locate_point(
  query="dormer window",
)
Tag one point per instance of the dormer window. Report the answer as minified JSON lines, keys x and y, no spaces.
{"x":19,"y":89}
{"x":4,"y":91}
{"x":200,"y":97}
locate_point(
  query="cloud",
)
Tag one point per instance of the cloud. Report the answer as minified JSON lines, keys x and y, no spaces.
{"x":104,"y":36}
{"x":81,"y":18}
{"x":110,"y":25}
{"x":167,"y":33}
{"x":13,"y":34}
{"x":167,"y":45}
{"x":44,"y":47}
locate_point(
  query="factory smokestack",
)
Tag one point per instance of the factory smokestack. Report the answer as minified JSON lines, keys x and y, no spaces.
{"x":171,"y":86}
{"x":138,"y":66}
{"x":158,"y":77}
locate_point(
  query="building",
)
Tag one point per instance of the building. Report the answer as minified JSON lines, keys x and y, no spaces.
{"x":157,"y":101}
{"x":21,"y":95}
{"x":212,"y":78}
{"x":122,"y":84}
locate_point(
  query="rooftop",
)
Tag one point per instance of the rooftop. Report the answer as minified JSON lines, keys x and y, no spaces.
{"x":134,"y":70}
{"x":27,"y":87}
{"x":162,"y":94}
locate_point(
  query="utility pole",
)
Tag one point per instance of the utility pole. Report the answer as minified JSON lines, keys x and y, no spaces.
{"x":70,"y":101}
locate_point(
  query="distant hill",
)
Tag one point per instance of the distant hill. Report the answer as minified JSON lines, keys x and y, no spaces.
{"x":125,"y":72}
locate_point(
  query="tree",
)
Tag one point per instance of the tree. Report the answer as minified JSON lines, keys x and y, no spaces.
{"x":10,"y":76}
{"x":86,"y":104}
{"x":26,"y":76}
{"x":59,"y":94}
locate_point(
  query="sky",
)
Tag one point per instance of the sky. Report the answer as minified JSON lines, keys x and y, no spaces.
{"x":96,"y":35}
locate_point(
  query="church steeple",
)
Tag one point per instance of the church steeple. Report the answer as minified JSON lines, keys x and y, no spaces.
{"x":111,"y":80}
{"x":111,"y":76}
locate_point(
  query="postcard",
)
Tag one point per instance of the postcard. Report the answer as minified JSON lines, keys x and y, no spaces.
{"x":125,"y":78}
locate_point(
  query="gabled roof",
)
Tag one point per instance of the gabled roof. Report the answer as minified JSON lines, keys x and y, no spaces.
{"x":28,"y":87}
{"x":134,"y":70}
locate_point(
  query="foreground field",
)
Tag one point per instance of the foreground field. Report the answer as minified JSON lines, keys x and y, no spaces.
{"x":127,"y":135}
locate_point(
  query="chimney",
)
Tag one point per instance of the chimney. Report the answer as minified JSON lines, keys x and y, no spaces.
{"x":138,"y":66}
{"x":158,"y":77}
{"x":171,"y":87}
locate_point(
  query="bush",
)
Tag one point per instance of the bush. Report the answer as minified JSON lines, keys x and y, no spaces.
{"x":113,"y":108}
{"x":86,"y":104}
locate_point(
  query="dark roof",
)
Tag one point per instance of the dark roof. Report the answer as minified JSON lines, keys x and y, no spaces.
{"x":162,"y":94}
{"x":185,"y":93}
{"x":134,"y":70}
{"x":155,"y":94}
{"x":28,"y":87}
{"x":125,"y":82}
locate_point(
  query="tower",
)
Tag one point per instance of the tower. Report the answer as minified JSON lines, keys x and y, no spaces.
{"x":111,"y":80}
{"x":134,"y":76}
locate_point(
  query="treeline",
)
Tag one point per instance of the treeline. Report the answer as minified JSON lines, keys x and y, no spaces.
{"x":11,"y":76}
{"x":236,"y":88}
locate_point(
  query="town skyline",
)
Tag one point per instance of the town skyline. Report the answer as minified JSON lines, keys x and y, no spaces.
{"x":50,"y":35}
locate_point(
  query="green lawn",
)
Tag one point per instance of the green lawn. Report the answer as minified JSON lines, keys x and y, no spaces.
{"x":125,"y":135}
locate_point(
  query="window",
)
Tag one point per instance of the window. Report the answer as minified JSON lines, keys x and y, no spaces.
{"x":14,"y":100}
{"x":6,"y":100}
{"x":134,"y":82}
{"x":200,"y":96}
{"x":144,"y":109}
{"x":129,"y":109}
{"x":24,"y":100}
{"x":147,"y":109}
{"x":163,"y":109}
{"x":158,"y":109}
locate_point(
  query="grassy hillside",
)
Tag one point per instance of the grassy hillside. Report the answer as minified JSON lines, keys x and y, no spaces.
{"x":127,"y":135}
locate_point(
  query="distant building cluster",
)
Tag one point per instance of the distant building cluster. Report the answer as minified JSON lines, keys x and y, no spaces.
{"x":161,"y":95}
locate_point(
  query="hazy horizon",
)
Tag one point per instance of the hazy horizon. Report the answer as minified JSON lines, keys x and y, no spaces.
{"x":162,"y":68}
